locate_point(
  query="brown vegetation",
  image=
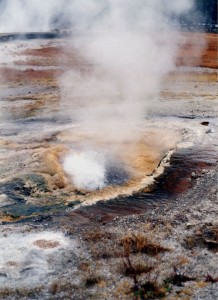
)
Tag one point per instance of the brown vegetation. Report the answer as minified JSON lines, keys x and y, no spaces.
{"x":138,"y":242}
{"x":207,"y":236}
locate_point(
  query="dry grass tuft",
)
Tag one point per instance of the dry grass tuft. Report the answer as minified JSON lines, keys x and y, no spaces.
{"x":103,"y":251}
{"x":136,"y":269}
{"x":150,"y":290}
{"x":91,"y":281}
{"x":138,"y":242}
{"x":95,"y":236}
{"x":58,"y":287}
{"x":207,"y":237}
{"x":178,"y":278}
{"x":21,"y":293}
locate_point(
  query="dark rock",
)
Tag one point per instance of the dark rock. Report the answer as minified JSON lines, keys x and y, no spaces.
{"x":41,"y":219}
{"x":205,"y":123}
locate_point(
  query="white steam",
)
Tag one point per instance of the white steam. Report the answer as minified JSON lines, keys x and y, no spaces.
{"x":129,"y":46}
{"x":86,"y":169}
{"x":31,"y":15}
{"x":101,"y":15}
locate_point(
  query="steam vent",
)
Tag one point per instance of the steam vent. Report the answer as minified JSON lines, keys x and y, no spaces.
{"x":108,"y":150}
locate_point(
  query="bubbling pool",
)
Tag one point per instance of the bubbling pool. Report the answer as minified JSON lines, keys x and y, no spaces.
{"x":92,"y":170}
{"x":86,"y":169}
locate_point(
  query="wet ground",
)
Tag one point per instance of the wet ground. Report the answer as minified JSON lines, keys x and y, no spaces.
{"x":177,"y":146}
{"x":36,"y":131}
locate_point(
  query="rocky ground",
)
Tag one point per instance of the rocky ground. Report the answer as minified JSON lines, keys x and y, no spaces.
{"x":165,"y":249}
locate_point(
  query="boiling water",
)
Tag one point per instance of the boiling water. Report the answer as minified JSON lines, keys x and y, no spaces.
{"x":87,"y":170}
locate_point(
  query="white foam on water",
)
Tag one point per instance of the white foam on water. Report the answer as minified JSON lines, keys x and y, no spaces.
{"x":86,"y":169}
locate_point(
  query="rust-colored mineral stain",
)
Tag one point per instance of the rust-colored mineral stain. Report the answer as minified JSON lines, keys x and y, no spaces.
{"x":29,"y":75}
{"x":46,"y":244}
{"x":200,"y":50}
{"x":44,"y":52}
{"x":12,"y":264}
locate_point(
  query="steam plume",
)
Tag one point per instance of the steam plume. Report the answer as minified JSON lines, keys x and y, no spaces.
{"x":130,"y":46}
